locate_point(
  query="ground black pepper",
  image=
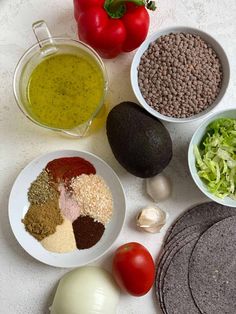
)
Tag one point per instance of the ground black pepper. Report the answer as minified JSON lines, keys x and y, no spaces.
{"x":87,"y":232}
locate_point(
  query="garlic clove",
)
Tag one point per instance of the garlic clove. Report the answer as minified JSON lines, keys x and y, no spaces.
{"x":154,"y":229}
{"x":151,"y":219}
{"x":158,"y":187}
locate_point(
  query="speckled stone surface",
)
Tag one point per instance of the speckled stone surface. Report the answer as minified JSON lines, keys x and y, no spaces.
{"x":27,"y":286}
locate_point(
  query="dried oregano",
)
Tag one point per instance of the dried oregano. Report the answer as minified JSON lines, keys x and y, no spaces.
{"x":42,"y":189}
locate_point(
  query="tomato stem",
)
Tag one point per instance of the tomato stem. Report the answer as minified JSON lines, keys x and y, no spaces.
{"x":116,"y":8}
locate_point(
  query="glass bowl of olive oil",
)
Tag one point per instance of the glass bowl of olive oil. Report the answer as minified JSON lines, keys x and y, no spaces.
{"x":61,"y":84}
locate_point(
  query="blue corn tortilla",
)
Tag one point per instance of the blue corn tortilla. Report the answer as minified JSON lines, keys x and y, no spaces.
{"x":212,"y":269}
{"x":173,"y":244}
{"x":177,"y":297}
{"x":187,"y":228}
{"x":205,"y":214}
{"x":166,"y":261}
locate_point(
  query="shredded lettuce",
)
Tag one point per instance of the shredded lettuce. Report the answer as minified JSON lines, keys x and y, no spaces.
{"x":216,"y":158}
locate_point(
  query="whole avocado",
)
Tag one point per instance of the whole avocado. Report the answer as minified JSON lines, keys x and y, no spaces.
{"x":139,"y":141}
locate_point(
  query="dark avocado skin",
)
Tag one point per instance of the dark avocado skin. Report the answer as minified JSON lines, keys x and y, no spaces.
{"x":139,"y":141}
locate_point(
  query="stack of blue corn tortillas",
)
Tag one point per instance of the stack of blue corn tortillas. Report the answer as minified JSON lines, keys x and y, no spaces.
{"x":197,"y":268}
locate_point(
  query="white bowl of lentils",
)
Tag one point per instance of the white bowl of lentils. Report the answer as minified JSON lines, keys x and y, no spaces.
{"x":180,"y":74}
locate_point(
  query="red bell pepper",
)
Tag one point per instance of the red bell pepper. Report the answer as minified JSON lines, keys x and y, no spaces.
{"x":112,"y":26}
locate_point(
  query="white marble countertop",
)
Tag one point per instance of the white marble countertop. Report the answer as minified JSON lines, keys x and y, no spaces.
{"x":26,"y":285}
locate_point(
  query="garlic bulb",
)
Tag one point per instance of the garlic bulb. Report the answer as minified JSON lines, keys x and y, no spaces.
{"x":158,"y":187}
{"x":151,"y":219}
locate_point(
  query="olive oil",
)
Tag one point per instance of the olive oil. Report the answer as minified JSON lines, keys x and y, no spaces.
{"x":65,"y":90}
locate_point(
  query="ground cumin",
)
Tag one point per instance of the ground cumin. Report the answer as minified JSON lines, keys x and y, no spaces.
{"x":41,"y":220}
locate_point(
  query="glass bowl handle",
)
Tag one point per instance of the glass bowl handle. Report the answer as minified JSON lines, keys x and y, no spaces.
{"x":46,"y":42}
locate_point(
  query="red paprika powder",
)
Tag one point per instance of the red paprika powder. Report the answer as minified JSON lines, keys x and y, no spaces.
{"x":66,"y":168}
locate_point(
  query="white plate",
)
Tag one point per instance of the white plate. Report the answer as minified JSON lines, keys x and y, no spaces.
{"x":18,"y":206}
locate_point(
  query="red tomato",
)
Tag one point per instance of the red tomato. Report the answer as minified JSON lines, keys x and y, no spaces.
{"x":134,"y":268}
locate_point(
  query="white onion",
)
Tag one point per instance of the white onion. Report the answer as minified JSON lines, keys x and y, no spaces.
{"x":86,"y":290}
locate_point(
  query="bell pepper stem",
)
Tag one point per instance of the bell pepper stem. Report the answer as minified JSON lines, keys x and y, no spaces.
{"x":116,"y":8}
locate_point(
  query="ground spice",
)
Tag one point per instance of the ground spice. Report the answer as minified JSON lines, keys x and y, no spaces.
{"x":62,"y":241}
{"x":41,"y":220}
{"x":65,"y":168}
{"x":42,"y":189}
{"x":87,"y":232}
{"x":68,"y":204}
{"x":94,"y":196}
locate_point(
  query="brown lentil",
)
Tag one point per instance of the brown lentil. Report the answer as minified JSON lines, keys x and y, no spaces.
{"x":180,"y":75}
{"x":87,"y":232}
{"x":41,"y":220}
{"x":94,"y":197}
{"x":42,"y":189}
